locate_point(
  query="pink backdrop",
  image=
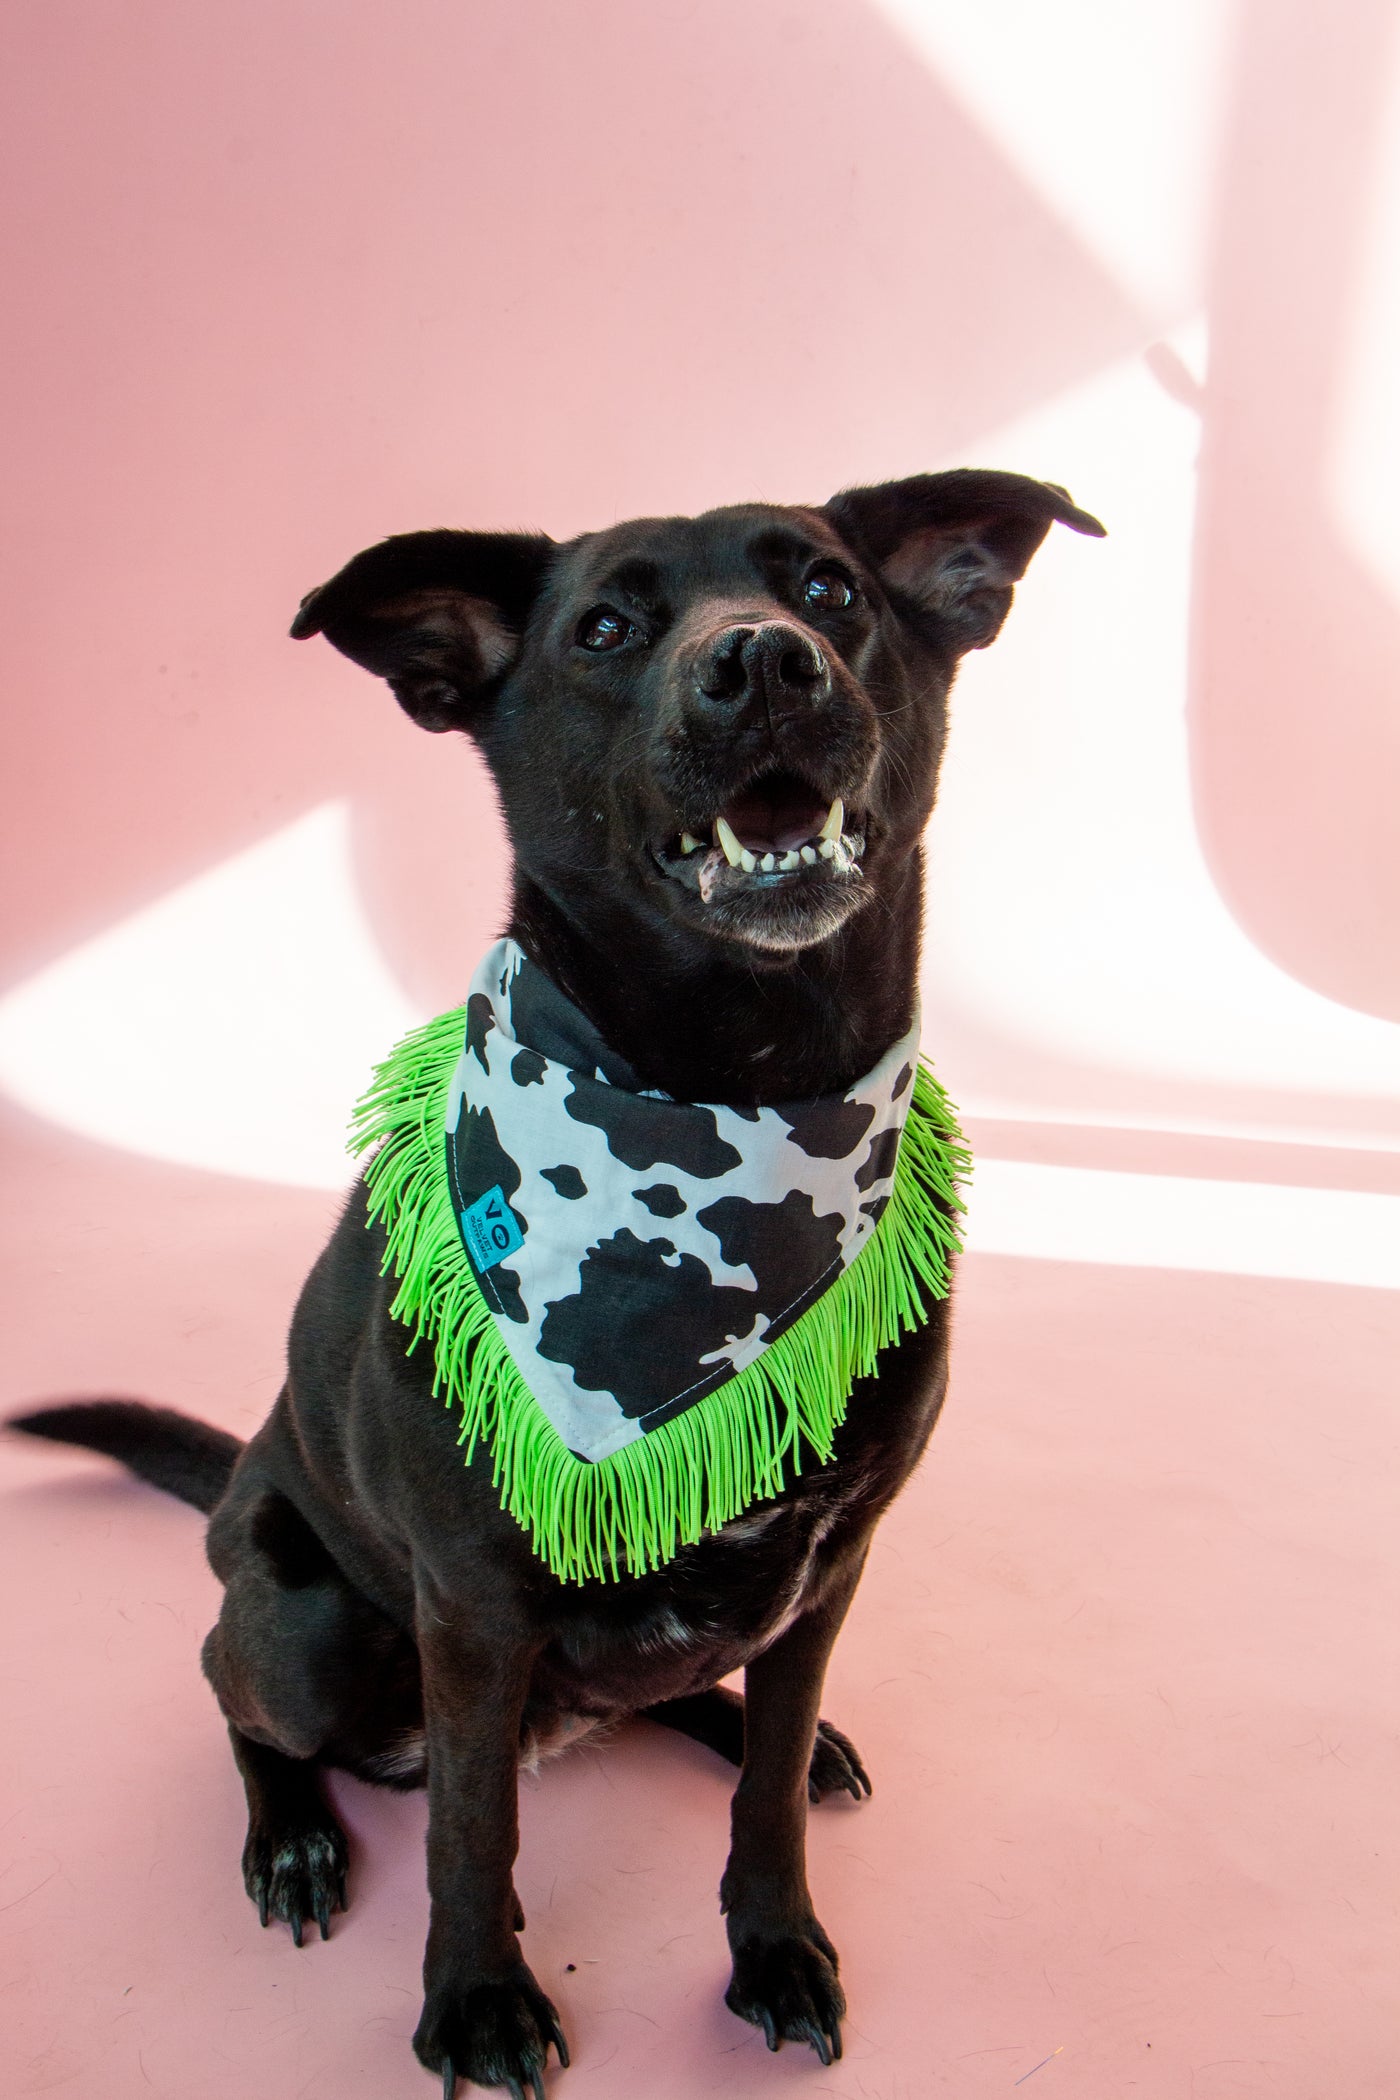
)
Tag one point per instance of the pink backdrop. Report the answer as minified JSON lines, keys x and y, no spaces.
{"x":285,"y":279}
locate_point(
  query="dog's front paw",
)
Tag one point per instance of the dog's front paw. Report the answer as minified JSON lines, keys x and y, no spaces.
{"x":495,"y":2032}
{"x":836,"y":1767}
{"x":297,"y":1873}
{"x":788,"y":1986}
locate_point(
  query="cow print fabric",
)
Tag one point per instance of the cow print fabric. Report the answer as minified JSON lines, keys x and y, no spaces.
{"x":636,"y":1251}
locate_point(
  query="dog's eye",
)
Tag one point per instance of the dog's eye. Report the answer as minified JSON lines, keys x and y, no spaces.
{"x":603,"y":628}
{"x":827,"y":590}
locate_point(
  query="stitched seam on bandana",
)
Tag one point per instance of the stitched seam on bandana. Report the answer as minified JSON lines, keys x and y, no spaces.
{"x":720,"y":1374}
{"x":723,"y":1372}
{"x":606,"y":1341}
{"x":483,"y":1277}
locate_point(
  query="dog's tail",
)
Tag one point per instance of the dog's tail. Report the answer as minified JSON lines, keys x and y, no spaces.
{"x":186,"y":1458}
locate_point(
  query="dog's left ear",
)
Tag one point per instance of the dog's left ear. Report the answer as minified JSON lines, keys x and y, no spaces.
{"x":955,"y":544}
{"x":439,"y":614}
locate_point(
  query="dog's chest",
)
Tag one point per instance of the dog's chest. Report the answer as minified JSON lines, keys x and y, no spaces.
{"x":720,"y":1603}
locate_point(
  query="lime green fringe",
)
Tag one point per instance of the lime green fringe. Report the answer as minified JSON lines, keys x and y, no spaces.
{"x":635,"y":1510}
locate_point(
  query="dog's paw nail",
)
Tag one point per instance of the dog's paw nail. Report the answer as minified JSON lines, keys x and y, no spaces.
{"x":836,"y":1766}
{"x":495,"y":2033}
{"x":789,"y":1987}
{"x":296,"y":1874}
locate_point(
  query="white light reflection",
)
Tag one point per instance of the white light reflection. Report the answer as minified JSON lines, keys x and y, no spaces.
{"x":1109,"y":111}
{"x":1365,"y":460}
{"x":1070,"y":906}
{"x":232,"y":1025}
{"x":1159,"y":1221}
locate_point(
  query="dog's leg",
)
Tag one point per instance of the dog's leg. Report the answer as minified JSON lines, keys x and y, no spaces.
{"x":307,"y":1671}
{"x":484,"y":2016}
{"x":716,"y":1719}
{"x":785,"y":1978}
{"x":295,"y":1859}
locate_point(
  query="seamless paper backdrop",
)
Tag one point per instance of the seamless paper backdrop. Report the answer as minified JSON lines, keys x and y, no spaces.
{"x":284,"y":278}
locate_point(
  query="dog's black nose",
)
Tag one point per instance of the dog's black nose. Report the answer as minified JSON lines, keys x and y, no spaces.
{"x":768,"y":662}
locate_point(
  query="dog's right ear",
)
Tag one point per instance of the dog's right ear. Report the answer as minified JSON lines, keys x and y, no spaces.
{"x":439,"y":614}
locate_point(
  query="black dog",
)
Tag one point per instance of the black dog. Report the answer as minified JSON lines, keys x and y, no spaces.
{"x":642,"y":696}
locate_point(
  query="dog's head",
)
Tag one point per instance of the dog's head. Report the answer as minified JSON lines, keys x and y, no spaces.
{"x":731,"y":724}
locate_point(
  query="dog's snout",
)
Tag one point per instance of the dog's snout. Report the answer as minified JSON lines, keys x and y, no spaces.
{"x":769,"y":661}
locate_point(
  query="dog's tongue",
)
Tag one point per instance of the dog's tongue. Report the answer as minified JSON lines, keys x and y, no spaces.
{"x":773,"y":816}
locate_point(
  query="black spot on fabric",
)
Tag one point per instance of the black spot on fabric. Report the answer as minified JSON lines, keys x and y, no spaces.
{"x":684,"y":1135}
{"x":878,"y":1163}
{"x":663,"y":1199}
{"x":639,"y":1324}
{"x":875,"y":1209}
{"x":480,"y":1022}
{"x":501,"y":1287}
{"x":480,"y":1159}
{"x":527,"y":1068}
{"x":829,"y":1129}
{"x":544,"y":1020}
{"x":750,"y":1115}
{"x":786,"y":1244}
{"x":566,"y":1181}
{"x":906,"y":1073}
{"x":480,"y":1162}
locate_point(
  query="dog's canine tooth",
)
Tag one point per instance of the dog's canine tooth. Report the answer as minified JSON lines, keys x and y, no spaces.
{"x":747,"y":861}
{"x":688,"y":843}
{"x":835,"y":818}
{"x":827,"y":849}
{"x":733,"y":851}
{"x":809,"y":854}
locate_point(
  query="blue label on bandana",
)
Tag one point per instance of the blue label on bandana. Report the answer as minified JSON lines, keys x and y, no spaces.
{"x":490,"y":1230}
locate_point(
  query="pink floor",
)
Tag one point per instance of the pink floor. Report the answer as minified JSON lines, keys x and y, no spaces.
{"x":1122,"y":1667}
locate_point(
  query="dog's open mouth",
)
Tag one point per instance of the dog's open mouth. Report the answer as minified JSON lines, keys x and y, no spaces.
{"x":776,"y":832}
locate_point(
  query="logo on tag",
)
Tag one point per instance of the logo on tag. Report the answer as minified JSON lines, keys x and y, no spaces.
{"x":490,"y":1230}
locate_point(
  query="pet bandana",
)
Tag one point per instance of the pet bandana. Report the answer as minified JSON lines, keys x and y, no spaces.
{"x":646,"y":1308}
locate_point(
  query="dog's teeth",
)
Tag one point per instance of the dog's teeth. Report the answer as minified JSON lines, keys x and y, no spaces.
{"x":827,"y":849}
{"x":733,"y":851}
{"x":835,"y":818}
{"x":768,"y":863}
{"x":747,"y":861}
{"x":689,"y":844}
{"x":809,"y":854}
{"x":791,"y":859}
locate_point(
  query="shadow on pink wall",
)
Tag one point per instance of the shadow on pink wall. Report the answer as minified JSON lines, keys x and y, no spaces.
{"x":289,"y":290}
{"x":1295,"y":727}
{"x":285,"y":290}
